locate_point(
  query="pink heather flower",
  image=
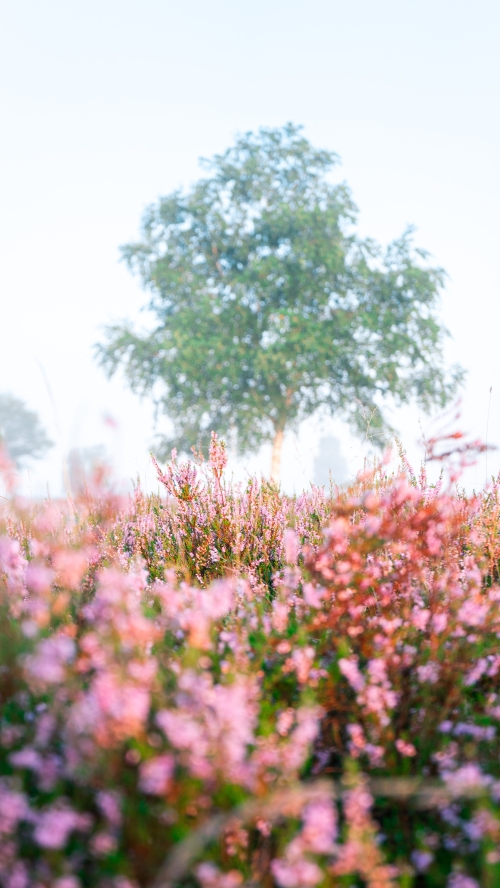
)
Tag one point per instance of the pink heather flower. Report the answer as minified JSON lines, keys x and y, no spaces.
{"x":472,"y":613}
{"x":13,"y":808}
{"x":39,"y":578}
{"x":54,"y":825}
{"x":476,"y":672}
{"x":115,"y":587}
{"x":291,"y":544}
{"x":434,"y":542}
{"x":350,"y":670}
{"x":460,"y":880}
{"x":405,"y":748}
{"x":285,"y":721}
{"x":102,"y":844}
{"x":377,"y":670}
{"x":26,"y":758}
{"x":52,"y":654}
{"x":67,"y":882}
{"x":235,"y":838}
{"x":48,"y":520}
{"x":109,"y":803}
{"x":302,"y":659}
{"x":429,"y":672}
{"x":371,"y":525}
{"x":420,"y":618}
{"x":18,"y":876}
{"x":233,"y":732}
{"x":45,"y":727}
{"x":357,"y":743}
{"x":357,"y":806}
{"x":218,"y":600}
{"x":217,"y":455}
{"x":143,"y":672}
{"x":299,"y":741}
{"x":210,"y":876}
{"x":124,"y":704}
{"x":29,"y":628}
{"x":390,"y":626}
{"x":439,"y":623}
{"x":207,"y":874}
{"x":313,"y":595}
{"x":476,"y":731}
{"x":465,"y":778}
{"x":70,"y":566}
{"x":198,"y":626}
{"x":155,"y":775}
{"x":375,"y":754}
{"x":378,"y":700}
{"x":279,"y":618}
{"x":422,"y":860}
{"x":494,"y":666}
{"x":297,"y":874}
{"x":284,"y":647}
{"x":182,"y":730}
{"x":12,"y":562}
{"x":446,"y":757}
{"x":320,"y":826}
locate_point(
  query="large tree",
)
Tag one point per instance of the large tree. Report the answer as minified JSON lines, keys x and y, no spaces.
{"x":21,"y":431}
{"x":268,"y":306}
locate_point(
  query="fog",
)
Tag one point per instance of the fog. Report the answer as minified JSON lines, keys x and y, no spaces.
{"x":106,"y":106}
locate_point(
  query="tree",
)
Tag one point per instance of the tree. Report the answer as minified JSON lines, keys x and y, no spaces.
{"x":268,"y":307}
{"x":21,"y":431}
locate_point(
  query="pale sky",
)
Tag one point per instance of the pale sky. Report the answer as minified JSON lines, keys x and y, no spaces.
{"x":107,"y":105}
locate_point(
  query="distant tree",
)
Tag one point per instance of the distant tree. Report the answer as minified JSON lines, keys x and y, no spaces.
{"x":268,"y":307}
{"x":21,"y":431}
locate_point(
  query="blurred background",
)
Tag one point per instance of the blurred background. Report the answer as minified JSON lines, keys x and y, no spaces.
{"x":107,"y":105}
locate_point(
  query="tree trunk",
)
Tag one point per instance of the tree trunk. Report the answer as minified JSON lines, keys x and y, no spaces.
{"x":276,"y":457}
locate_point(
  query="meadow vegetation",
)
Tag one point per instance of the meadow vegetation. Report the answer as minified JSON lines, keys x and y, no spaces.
{"x":223,"y":686}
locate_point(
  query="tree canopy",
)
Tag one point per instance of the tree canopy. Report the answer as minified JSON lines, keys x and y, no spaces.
{"x":21,"y":432}
{"x":269,"y":307}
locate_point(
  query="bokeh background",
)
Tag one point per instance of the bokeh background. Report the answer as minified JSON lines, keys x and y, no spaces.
{"x":107,"y":105}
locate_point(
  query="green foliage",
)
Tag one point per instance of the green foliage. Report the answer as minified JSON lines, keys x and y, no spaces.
{"x":268,"y":307}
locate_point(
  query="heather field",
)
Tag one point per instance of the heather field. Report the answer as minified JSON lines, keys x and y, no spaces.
{"x":222,"y":686}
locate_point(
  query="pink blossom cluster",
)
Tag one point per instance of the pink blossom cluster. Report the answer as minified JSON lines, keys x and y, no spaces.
{"x":230,"y":687}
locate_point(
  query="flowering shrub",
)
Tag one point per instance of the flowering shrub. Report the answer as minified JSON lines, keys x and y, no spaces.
{"x":227,"y":687}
